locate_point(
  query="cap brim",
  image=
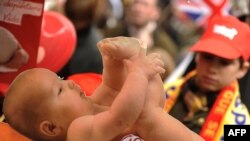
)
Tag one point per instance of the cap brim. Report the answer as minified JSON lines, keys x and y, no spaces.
{"x":216,"y":47}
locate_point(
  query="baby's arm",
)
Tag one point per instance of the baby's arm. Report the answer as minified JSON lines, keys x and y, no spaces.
{"x":114,"y":51}
{"x":126,"y":107}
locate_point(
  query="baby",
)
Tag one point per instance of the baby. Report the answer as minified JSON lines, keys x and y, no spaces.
{"x":12,"y":55}
{"x":129,"y":100}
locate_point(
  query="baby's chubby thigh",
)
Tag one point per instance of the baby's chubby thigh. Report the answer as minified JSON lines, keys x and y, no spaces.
{"x":155,"y":96}
{"x":147,"y":123}
{"x":153,"y":107}
{"x":121,"y":47}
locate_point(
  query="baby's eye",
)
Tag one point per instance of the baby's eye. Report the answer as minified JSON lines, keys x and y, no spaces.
{"x":60,"y":91}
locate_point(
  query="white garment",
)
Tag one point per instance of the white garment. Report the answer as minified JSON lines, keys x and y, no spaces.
{"x":131,"y":137}
{"x":144,"y":34}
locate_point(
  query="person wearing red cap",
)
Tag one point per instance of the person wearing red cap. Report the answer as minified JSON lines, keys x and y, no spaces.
{"x":210,"y":93}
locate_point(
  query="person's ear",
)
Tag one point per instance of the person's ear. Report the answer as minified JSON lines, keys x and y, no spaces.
{"x":155,"y":14}
{"x":196,"y":57}
{"x":49,"y":129}
{"x":243,"y":70}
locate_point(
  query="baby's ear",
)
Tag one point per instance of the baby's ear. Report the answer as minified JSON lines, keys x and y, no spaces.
{"x":49,"y":129}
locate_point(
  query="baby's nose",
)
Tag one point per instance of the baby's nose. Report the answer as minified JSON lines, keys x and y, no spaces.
{"x":71,"y":84}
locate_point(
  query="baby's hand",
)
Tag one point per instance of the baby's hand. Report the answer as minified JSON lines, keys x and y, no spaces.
{"x":121,"y":48}
{"x":146,"y":65}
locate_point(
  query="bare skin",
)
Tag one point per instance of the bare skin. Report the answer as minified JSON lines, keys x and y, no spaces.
{"x":61,"y":105}
{"x":153,"y":111}
{"x":91,"y":118}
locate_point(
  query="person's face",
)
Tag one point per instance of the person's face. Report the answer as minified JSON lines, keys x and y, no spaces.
{"x":64,"y":99}
{"x":141,"y":12}
{"x":214,"y":73}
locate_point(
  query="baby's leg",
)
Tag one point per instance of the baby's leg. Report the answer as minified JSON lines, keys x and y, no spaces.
{"x":114,"y":51}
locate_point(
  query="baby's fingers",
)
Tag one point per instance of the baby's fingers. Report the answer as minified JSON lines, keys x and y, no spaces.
{"x":158,"y":62}
{"x":159,"y":65}
{"x":160,"y":70}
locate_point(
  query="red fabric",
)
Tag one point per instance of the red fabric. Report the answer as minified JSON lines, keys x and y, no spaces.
{"x":87,"y":81}
{"x":3,"y":88}
{"x":9,"y":134}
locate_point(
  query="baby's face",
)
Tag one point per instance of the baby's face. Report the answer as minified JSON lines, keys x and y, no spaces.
{"x":64,"y":100}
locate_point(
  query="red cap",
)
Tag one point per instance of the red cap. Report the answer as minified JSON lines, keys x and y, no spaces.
{"x":226,"y":37}
{"x":57,"y":41}
{"x":87,"y":81}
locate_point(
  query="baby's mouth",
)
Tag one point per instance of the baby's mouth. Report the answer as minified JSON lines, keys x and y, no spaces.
{"x":81,"y":93}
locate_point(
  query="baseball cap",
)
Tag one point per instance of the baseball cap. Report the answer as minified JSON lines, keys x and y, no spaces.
{"x":226,"y":37}
{"x":57,"y":41}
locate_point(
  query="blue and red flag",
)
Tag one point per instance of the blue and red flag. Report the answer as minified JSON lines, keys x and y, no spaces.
{"x":200,"y":11}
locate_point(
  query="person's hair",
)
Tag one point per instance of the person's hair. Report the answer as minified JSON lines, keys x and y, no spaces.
{"x":23,"y":116}
{"x":159,"y":3}
{"x":241,"y":60}
{"x":25,"y":120}
{"x":246,"y":16}
{"x":83,"y":10}
{"x":24,"y":124}
{"x":162,"y":3}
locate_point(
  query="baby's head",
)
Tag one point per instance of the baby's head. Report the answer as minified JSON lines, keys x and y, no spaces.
{"x":41,"y":105}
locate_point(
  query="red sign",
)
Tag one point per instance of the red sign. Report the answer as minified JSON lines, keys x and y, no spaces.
{"x":20,"y":27}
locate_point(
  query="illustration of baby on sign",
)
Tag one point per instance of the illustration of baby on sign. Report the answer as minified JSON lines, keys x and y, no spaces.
{"x":20,"y":28}
{"x":12,"y":55}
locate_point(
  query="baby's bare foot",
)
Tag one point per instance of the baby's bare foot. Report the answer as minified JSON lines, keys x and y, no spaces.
{"x":121,"y":47}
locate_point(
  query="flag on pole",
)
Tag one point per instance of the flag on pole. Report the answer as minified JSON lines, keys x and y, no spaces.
{"x":200,"y":11}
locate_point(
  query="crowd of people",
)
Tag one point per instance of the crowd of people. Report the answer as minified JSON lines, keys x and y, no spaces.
{"x":138,"y":47}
